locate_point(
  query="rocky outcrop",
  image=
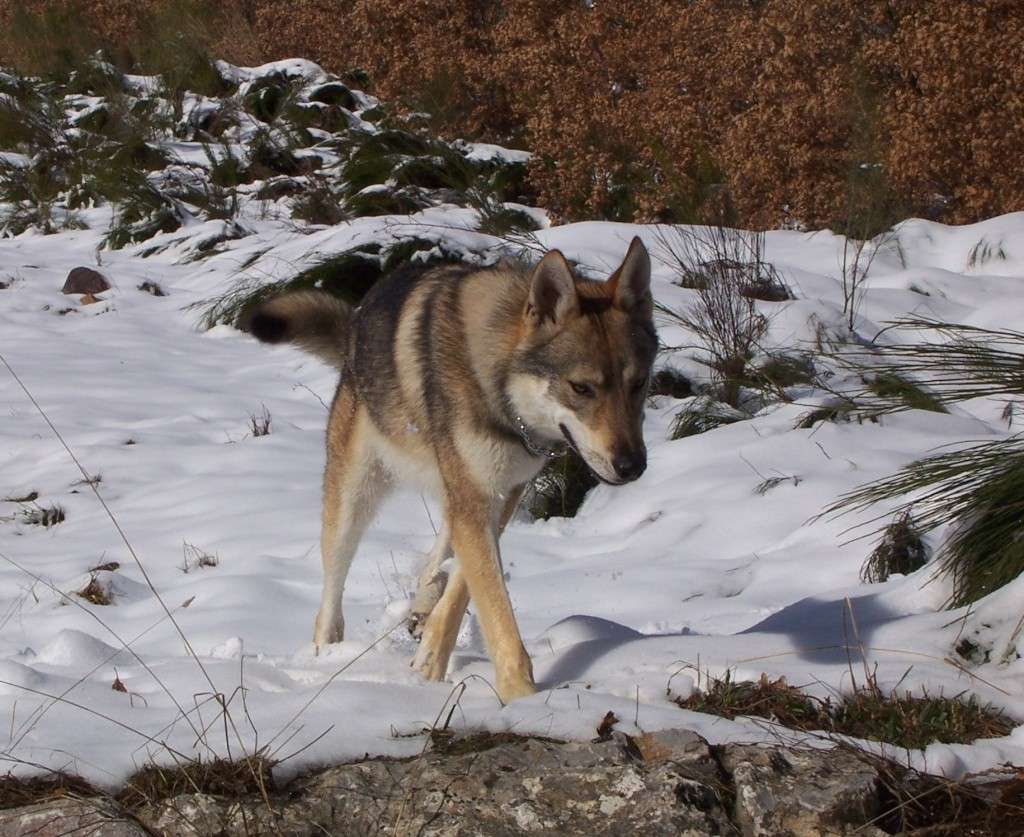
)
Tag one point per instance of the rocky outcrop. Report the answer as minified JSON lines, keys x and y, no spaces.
{"x":87,"y":817}
{"x":801,"y":792}
{"x":668,"y":783}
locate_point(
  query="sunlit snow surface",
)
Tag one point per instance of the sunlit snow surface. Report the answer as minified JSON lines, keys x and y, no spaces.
{"x":687,"y":567}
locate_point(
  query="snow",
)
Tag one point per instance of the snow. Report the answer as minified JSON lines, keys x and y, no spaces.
{"x":484,"y":152}
{"x":295,"y":68}
{"x":686,"y":573}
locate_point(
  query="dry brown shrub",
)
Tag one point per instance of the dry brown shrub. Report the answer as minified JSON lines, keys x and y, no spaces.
{"x":754,"y":111}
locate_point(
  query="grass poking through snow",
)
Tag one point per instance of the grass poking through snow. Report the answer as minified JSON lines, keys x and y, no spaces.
{"x":45,"y":516}
{"x":899,"y":550}
{"x":95,"y":592}
{"x":194,"y":558}
{"x":16,"y":792}
{"x":260,"y":424}
{"x":905,"y":720}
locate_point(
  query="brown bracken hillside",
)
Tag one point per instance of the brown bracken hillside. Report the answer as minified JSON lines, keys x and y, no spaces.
{"x":839,"y":113}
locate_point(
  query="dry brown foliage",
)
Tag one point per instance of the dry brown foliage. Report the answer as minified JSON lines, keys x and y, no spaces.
{"x":756,"y":111}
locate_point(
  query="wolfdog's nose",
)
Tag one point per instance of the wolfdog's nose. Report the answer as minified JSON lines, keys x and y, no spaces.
{"x":630,"y":464}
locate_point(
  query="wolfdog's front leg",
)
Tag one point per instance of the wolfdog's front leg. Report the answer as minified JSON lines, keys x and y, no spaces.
{"x":439,"y":629}
{"x":475,"y":542}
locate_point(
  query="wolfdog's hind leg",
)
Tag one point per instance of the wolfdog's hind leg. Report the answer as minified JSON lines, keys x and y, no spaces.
{"x":354,"y":483}
{"x":432,"y":582}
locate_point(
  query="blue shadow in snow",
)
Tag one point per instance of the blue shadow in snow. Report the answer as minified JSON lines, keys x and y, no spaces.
{"x":822,"y":630}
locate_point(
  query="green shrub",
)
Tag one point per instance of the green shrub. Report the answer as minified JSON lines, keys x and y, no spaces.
{"x":898,"y":392}
{"x":502,"y":221}
{"x":385,"y":201}
{"x":779,"y":372}
{"x":49,"y":38}
{"x":173,"y":43}
{"x":839,"y":410}
{"x":701,"y":415}
{"x":272,"y":154}
{"x":317,"y":204}
{"x":142,"y":212}
{"x":560,"y":488}
{"x":268,"y":97}
{"x":905,"y":720}
{"x":978,"y":490}
{"x":671,"y":382}
{"x":348,"y":275}
{"x":975,"y":490}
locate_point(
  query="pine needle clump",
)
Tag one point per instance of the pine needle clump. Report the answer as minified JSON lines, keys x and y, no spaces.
{"x":978,"y":489}
{"x":701,"y":415}
{"x":955,"y":363}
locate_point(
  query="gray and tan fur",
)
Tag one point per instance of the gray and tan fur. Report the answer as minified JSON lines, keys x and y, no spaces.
{"x":459,"y":379}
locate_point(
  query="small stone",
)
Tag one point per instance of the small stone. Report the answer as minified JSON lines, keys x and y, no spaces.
{"x":85,"y":280}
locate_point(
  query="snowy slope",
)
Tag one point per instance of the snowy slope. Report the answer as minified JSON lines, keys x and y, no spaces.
{"x":688,"y":567}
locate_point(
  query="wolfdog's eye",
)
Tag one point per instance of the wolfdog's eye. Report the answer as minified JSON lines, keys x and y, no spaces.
{"x":581,"y":389}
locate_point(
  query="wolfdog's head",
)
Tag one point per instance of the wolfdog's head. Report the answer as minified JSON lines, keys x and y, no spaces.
{"x":582,"y":366}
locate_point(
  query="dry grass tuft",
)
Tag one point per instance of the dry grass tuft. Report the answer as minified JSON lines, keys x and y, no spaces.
{"x":260,"y":424}
{"x":920,"y":804}
{"x":45,"y":516}
{"x":764,"y":698}
{"x":194,"y":558}
{"x":900,"y":550}
{"x":16,"y":792}
{"x":95,"y":593}
{"x":218,"y":777}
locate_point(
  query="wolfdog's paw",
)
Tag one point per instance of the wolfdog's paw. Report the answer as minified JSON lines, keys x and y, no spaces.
{"x":512,"y":688}
{"x":429,"y":664}
{"x":328,"y":632}
{"x":428,"y":594}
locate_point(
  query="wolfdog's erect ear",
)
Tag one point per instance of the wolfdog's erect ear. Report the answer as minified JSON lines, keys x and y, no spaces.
{"x":552,"y":291}
{"x":631,"y":283}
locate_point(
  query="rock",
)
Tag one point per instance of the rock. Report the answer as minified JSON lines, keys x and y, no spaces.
{"x":517,"y":786}
{"x":665,"y":783}
{"x":85,"y":280}
{"x":801,"y":792}
{"x":88,"y":818}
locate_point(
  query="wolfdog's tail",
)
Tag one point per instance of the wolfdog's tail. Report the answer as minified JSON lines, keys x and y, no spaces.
{"x":312,"y":320}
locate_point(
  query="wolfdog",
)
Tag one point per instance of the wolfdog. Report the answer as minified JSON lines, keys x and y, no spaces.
{"x":464,"y":380}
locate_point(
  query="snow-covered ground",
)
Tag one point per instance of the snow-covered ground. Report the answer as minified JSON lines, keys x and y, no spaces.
{"x":689,"y":568}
